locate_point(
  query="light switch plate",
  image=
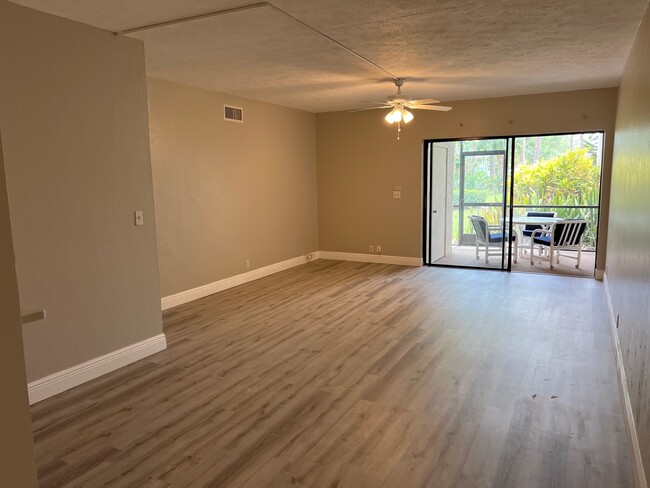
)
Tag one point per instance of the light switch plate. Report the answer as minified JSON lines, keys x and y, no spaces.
{"x":139,"y":217}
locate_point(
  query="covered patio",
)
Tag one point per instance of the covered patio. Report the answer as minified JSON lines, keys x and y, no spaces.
{"x":465,"y":256}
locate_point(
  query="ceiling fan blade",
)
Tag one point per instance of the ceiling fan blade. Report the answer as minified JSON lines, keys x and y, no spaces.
{"x":364,"y":109}
{"x":374,"y":103}
{"x":424,"y":101}
{"x":439,"y":108}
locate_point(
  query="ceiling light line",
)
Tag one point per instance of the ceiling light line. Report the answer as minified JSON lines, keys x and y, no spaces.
{"x":181,"y":20}
{"x":217,"y":13}
{"x":342,"y":46}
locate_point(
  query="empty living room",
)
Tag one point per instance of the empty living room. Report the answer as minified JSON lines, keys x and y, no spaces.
{"x":324,"y":244}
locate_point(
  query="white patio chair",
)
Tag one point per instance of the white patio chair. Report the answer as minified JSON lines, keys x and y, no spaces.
{"x":487,"y":239}
{"x":565,"y":235}
{"x":528,"y":229}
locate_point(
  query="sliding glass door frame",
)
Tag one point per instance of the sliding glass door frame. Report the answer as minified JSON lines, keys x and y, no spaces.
{"x":509,"y":206}
{"x":461,"y":191}
{"x":427,"y":188}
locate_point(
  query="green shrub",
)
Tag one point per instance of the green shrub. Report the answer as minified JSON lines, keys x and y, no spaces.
{"x":569,"y":179}
{"x":572,"y":178}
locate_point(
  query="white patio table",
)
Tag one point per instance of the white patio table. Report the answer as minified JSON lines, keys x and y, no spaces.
{"x":519,"y":223}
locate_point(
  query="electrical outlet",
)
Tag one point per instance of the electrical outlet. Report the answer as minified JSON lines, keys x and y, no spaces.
{"x":378,"y":247}
{"x":138,"y":217}
{"x":248,"y":264}
{"x":371,"y":248}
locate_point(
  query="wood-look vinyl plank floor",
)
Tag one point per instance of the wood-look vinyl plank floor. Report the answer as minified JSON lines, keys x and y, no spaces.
{"x":340,"y":374}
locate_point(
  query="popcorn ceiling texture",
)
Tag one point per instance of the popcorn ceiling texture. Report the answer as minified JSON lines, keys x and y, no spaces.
{"x":455,"y":49}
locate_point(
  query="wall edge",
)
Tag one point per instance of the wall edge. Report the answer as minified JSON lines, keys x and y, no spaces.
{"x":630,"y":424}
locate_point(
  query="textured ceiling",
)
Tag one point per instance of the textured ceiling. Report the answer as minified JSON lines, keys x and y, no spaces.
{"x":448,"y":49}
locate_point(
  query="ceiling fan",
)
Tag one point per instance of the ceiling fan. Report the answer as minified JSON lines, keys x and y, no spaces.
{"x":399,"y":104}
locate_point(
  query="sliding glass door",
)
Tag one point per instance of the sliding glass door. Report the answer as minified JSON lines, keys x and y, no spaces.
{"x":474,"y":189}
{"x":466,"y":183}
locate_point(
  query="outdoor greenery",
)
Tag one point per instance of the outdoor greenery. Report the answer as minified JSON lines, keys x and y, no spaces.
{"x":530,"y":150}
{"x":554,"y":171}
{"x":571,"y":178}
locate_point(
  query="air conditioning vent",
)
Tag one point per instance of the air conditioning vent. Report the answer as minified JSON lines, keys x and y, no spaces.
{"x":234,"y":114}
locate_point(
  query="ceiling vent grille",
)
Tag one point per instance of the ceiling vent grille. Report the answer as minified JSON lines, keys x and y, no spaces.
{"x":233,"y":114}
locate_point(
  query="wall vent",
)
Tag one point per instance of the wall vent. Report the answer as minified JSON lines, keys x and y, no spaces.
{"x":233,"y":114}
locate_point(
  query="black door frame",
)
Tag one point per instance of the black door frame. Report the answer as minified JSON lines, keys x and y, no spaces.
{"x":428,"y":143}
{"x":426,"y":190}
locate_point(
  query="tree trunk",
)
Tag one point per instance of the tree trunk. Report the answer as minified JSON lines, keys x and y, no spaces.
{"x":538,"y":148}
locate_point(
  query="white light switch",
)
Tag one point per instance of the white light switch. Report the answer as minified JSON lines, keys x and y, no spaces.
{"x":139,"y":217}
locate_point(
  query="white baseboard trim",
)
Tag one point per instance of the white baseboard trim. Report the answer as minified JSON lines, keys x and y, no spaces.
{"x":69,"y":378}
{"x":217,"y":286}
{"x":371,"y":258}
{"x":630,"y":424}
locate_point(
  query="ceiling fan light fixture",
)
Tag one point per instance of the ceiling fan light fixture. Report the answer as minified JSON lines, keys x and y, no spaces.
{"x":395,"y":115}
{"x":399,"y":103}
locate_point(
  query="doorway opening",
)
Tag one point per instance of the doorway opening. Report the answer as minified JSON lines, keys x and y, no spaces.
{"x":486,"y":201}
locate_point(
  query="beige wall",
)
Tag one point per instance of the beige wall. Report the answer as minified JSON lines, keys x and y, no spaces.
{"x":17,"y":466}
{"x":73,"y":109}
{"x":628,"y":258}
{"x":226,"y":192}
{"x":360,"y":160}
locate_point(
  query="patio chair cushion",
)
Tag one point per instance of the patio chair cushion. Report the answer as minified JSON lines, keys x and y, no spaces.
{"x":559,"y":228}
{"x":528,"y":229}
{"x":499,"y":237}
{"x":480,"y":226}
{"x":544,"y":240}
